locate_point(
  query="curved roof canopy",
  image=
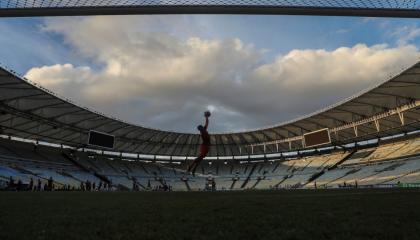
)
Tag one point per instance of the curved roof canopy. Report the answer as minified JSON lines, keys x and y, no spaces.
{"x":372,"y":8}
{"x":32,"y":112}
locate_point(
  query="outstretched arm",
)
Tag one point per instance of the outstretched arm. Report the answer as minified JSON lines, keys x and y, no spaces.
{"x":207,"y":123}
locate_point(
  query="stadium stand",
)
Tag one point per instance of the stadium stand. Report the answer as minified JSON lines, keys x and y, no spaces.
{"x":29,"y":111}
{"x":373,"y":142}
{"x":394,"y":162}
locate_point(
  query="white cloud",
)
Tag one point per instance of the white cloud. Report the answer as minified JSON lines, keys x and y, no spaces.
{"x":57,"y":75}
{"x":158,"y":79}
{"x":406,"y":34}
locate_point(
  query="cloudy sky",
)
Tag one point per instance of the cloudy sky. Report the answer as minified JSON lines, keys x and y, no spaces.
{"x":250,"y":71}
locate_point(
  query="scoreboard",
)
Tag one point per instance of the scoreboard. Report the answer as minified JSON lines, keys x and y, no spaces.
{"x":100,"y":139}
{"x":316,"y":138}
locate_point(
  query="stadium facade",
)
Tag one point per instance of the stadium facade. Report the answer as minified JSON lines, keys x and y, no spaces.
{"x":29,"y":111}
{"x":372,"y":140}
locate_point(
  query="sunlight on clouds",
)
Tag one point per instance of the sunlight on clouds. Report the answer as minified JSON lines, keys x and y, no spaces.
{"x":160,"y":80}
{"x":56,"y":75}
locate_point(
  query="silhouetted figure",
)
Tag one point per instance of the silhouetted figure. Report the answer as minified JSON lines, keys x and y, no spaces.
{"x":19,"y":185}
{"x":149,"y":185}
{"x":31,"y":184}
{"x":134,"y":186}
{"x":87,"y":185}
{"x":205,"y":146}
{"x":50,"y":184}
{"x":38,"y":188}
{"x":11,"y":182}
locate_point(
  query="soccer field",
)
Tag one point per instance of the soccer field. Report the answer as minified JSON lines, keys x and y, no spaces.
{"x":322,"y":214}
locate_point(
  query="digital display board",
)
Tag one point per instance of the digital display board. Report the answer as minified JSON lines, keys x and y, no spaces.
{"x":101,"y":139}
{"x":317,"y":138}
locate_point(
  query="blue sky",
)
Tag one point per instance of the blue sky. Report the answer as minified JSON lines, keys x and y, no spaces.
{"x":25,"y":45}
{"x":267,"y":43}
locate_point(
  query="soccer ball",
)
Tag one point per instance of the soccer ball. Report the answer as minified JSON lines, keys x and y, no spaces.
{"x":207,"y":114}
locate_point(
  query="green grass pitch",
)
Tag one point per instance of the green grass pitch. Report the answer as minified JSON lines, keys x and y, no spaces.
{"x":322,"y":214}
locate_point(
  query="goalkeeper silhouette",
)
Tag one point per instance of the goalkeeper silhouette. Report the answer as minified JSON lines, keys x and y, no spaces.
{"x":205,"y":146}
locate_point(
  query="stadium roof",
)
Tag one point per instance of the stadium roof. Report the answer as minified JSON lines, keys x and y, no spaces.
{"x":29,"y":111}
{"x":370,"y":8}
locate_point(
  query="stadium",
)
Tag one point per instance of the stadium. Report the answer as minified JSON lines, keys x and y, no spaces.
{"x":355,"y":162}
